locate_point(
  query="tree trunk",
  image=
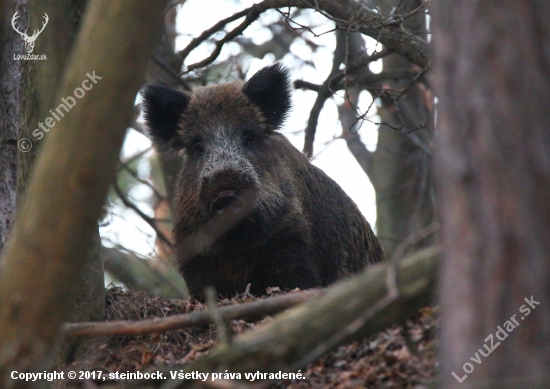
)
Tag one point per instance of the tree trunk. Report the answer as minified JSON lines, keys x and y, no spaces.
{"x":401,"y":169}
{"x":164,"y":68}
{"x":39,"y":81}
{"x":494,"y":188}
{"x":10,"y":84}
{"x":58,"y":219}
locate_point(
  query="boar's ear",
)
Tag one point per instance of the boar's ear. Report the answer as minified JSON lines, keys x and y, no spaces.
{"x":269,"y":90}
{"x":163,"y":107}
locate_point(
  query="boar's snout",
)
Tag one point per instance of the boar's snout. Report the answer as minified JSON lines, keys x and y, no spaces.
{"x":223,"y":200}
{"x":228,"y":190}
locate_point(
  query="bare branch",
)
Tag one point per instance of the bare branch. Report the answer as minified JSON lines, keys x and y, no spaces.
{"x":364,"y":81}
{"x":149,"y":220}
{"x":324,"y":93}
{"x":134,"y":174}
{"x":211,"y":31}
{"x":391,"y":32}
{"x":348,"y":14}
{"x":252,"y":16}
{"x":268,"y":306}
{"x":358,"y":67}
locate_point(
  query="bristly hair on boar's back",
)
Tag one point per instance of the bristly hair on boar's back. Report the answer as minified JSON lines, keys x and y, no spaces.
{"x":249,"y":207}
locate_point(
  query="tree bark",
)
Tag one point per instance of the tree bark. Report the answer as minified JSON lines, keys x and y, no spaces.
{"x":41,"y":79}
{"x":58,"y":219}
{"x":38,"y":83}
{"x":493,"y":169}
{"x":3,"y":27}
{"x":10,"y":84}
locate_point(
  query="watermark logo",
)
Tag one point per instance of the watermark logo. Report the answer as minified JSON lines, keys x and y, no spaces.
{"x":501,"y":334}
{"x":67,"y":103}
{"x":24,"y":144}
{"x":29,"y":40}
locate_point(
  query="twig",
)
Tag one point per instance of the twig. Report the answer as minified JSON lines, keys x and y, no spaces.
{"x":364,"y":81}
{"x":217,"y":319}
{"x":411,"y":240}
{"x":171,"y":72}
{"x":268,"y":306}
{"x":134,"y":174}
{"x":252,"y":14}
{"x":135,"y":156}
{"x":357,"y":67}
{"x":411,"y":83}
{"x":211,"y":31}
{"x":323,"y":94}
{"x":148,"y":220}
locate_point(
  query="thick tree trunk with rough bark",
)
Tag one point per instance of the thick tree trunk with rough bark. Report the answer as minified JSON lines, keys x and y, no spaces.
{"x":493,"y":164}
{"x":40,"y":79}
{"x":44,"y":259}
{"x":33,"y":95}
{"x":10,"y":89}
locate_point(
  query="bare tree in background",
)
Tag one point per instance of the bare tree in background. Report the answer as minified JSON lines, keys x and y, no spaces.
{"x":493,"y":170}
{"x":401,"y":164}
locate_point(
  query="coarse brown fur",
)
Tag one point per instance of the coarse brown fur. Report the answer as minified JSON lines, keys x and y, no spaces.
{"x":249,"y":207}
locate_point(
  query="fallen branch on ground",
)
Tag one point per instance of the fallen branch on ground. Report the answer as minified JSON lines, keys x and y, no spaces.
{"x":268,"y":306}
{"x":384,"y":295}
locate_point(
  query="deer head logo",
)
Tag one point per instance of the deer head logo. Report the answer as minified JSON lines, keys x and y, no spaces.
{"x":29,"y":40}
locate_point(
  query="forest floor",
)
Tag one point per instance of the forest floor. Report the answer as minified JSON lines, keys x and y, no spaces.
{"x":399,"y":357}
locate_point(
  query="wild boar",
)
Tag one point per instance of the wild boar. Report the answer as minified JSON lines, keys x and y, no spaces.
{"x":250,"y":208}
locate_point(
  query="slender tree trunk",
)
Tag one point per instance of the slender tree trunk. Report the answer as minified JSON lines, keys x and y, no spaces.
{"x":164,"y":68}
{"x":400,"y":168}
{"x":401,"y":171}
{"x":494,"y":191}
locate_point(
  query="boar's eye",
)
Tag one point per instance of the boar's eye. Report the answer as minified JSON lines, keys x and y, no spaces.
{"x":198,"y":146}
{"x":249,"y":136}
{"x":247,"y":140}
